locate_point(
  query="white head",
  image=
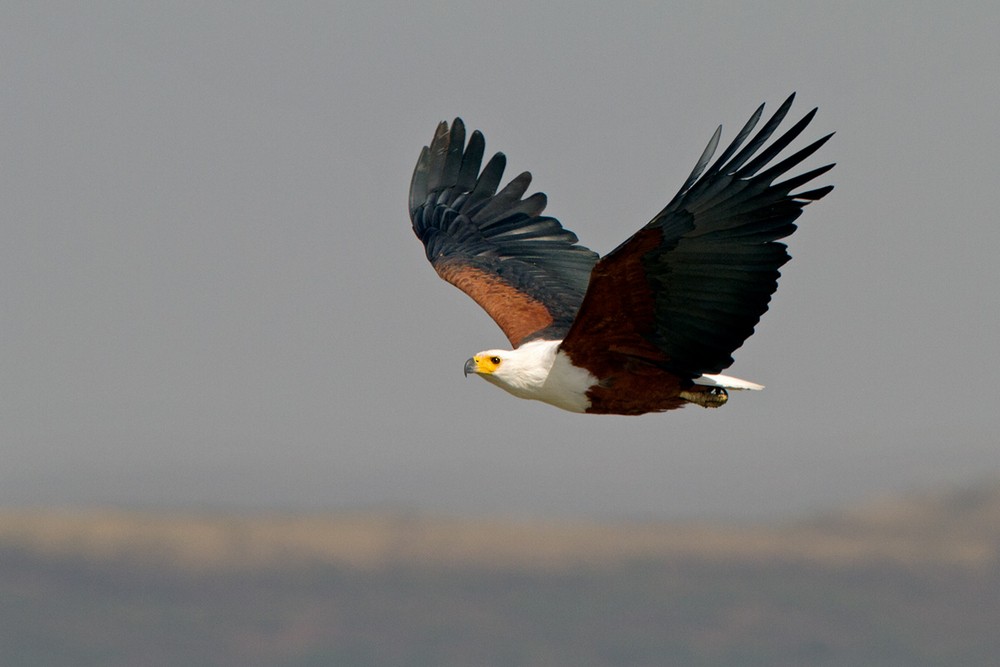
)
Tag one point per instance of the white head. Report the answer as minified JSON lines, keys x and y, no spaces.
{"x":522,"y":372}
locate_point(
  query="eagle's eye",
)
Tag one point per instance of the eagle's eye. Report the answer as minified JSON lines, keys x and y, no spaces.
{"x":495,"y":361}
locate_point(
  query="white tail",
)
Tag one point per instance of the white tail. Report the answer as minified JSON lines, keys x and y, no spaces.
{"x":726,"y":382}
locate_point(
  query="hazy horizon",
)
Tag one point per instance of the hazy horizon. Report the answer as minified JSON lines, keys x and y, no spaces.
{"x":211,"y":294}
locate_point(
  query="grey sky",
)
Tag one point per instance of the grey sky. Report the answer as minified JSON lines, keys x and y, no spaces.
{"x":210,"y":293}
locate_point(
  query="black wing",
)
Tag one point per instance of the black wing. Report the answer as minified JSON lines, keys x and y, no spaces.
{"x":523,"y":268}
{"x":688,"y":288}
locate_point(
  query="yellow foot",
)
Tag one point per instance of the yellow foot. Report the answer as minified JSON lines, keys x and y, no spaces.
{"x":709,"y":397}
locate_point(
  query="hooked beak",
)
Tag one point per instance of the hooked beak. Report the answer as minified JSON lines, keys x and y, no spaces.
{"x":470,"y":366}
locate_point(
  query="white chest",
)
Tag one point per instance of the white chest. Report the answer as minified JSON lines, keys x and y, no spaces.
{"x":539,"y":371}
{"x":566,"y":385}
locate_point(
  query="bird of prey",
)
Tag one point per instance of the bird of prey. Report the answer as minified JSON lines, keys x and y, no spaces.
{"x":649,"y":326}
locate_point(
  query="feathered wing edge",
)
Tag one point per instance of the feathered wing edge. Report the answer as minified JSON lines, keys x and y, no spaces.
{"x":689,"y":288}
{"x":523,"y":268}
{"x":731,"y":183}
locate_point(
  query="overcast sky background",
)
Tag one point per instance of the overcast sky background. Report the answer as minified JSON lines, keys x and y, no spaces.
{"x":210,"y":294}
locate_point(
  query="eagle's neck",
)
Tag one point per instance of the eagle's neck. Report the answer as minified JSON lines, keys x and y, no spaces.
{"x":540,"y":371}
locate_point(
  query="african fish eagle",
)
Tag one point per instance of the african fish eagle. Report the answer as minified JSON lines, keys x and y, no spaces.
{"x":649,"y":326}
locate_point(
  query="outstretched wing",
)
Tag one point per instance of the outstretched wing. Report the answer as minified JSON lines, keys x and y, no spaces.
{"x":523,"y":268}
{"x":687,"y":289}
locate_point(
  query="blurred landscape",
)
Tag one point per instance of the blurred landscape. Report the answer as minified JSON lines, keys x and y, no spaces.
{"x":911,"y":580}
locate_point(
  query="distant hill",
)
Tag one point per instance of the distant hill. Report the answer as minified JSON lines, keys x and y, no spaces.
{"x":905,"y":581}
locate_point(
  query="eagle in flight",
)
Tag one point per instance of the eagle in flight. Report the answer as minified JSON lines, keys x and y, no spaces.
{"x":649,"y":326}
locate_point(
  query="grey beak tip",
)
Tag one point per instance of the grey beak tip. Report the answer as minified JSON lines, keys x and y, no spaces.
{"x":470,"y":367}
